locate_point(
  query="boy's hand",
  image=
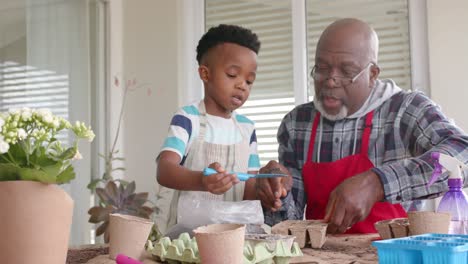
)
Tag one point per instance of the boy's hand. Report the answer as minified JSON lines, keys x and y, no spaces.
{"x":271,"y":190}
{"x":220,"y":182}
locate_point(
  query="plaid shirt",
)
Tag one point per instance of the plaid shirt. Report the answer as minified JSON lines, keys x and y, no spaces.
{"x":405,"y":129}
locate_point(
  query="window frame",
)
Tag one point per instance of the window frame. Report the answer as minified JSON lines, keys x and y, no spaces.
{"x":192,"y":23}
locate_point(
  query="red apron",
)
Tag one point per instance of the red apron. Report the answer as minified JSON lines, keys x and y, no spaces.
{"x":320,"y":179}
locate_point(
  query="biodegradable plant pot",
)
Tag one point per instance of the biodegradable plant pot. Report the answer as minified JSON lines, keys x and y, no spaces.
{"x":220,"y":243}
{"x":35,"y":221}
{"x":383,"y":227}
{"x":400,"y":227}
{"x":428,"y":222}
{"x":317,"y":234}
{"x":393,"y":228}
{"x":299,"y":230}
{"x":128,"y":235}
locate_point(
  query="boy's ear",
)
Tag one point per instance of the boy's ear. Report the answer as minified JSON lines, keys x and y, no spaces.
{"x":204,"y":73}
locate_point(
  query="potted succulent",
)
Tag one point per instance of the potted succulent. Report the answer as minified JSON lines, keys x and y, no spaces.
{"x":35,"y":214}
{"x":114,"y":195}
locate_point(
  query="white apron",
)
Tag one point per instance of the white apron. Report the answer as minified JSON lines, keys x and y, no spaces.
{"x":201,"y":154}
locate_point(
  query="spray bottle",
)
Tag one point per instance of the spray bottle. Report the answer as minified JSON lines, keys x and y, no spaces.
{"x":455,"y":201}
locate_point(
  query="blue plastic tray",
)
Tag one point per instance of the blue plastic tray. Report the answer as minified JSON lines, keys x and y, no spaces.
{"x":424,"y":249}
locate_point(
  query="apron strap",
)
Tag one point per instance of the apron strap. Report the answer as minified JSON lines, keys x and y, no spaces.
{"x":365,"y":136}
{"x":202,"y":121}
{"x":312,"y":136}
{"x":366,"y":133}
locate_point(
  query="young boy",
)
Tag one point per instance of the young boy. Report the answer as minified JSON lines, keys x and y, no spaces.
{"x":210,"y":133}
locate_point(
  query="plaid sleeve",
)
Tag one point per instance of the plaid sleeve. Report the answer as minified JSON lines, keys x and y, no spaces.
{"x":294,"y":202}
{"x":422,"y":128}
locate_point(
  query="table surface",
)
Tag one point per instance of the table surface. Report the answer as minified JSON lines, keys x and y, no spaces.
{"x":342,"y":249}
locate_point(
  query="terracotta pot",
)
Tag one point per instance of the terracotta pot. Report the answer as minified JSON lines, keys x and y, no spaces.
{"x":128,"y":235}
{"x":35,"y":221}
{"x":221,"y":243}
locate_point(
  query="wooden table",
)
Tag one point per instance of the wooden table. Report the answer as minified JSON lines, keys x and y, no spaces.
{"x":342,"y":249}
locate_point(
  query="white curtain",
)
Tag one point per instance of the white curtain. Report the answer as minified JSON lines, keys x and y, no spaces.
{"x":58,"y":42}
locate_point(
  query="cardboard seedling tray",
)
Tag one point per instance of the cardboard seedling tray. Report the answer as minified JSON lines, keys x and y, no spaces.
{"x":307,"y":232}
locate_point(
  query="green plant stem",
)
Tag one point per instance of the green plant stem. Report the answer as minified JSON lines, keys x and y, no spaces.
{"x":120,"y":119}
{"x":12,"y":158}
{"x":5,"y":158}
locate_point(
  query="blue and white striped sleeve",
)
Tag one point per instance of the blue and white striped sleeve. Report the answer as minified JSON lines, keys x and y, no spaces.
{"x":254,"y":160}
{"x":180,"y":131}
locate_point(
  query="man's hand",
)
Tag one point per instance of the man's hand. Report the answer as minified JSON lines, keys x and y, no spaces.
{"x":220,"y":182}
{"x":270,"y":190}
{"x":352,"y":200}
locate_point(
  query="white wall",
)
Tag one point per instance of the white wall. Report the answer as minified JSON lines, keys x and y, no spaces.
{"x":150,"y":56}
{"x":448,"y":57}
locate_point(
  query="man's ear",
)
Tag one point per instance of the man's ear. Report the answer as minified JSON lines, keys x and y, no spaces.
{"x":374,"y":74}
{"x":204,"y":73}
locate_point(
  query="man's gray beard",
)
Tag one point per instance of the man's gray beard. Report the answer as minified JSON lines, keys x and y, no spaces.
{"x":341,"y":115}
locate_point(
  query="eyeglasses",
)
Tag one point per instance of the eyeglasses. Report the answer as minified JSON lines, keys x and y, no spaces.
{"x":322,"y":74}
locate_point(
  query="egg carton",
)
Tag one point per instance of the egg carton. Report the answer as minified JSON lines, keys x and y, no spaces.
{"x":423,"y":249}
{"x":307,"y":232}
{"x":185,"y":250}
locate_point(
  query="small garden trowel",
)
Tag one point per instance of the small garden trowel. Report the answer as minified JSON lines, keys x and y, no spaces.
{"x":245,"y":176}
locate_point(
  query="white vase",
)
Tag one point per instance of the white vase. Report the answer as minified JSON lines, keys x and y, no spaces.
{"x":35,"y":221}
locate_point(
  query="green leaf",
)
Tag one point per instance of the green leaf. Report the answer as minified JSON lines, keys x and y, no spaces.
{"x":53,"y":170}
{"x":27,"y":174}
{"x":68,"y":154}
{"x":17,"y":152}
{"x":8,"y":172}
{"x":93,"y":184}
{"x":40,"y":158}
{"x":66,"y":175}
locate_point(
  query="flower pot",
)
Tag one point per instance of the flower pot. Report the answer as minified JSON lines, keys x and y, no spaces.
{"x":128,"y":235}
{"x":317,"y":234}
{"x":35,"y":221}
{"x":221,"y":243}
{"x":428,"y":222}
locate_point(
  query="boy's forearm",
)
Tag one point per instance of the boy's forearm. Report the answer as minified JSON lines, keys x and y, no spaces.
{"x":177,"y":177}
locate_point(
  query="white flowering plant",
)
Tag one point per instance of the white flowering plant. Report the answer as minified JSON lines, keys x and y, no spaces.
{"x":30,"y":149}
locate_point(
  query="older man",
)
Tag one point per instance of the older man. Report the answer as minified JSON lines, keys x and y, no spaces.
{"x":362,"y":146}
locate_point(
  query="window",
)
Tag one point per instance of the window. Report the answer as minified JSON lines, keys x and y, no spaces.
{"x":272,"y":95}
{"x":279,"y":85}
{"x":388,"y":18}
{"x":49,"y":58}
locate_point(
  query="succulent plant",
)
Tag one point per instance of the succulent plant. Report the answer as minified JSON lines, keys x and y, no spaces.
{"x":120,"y":199}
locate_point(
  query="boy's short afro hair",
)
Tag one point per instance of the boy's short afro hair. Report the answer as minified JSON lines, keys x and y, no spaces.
{"x":227,"y":34}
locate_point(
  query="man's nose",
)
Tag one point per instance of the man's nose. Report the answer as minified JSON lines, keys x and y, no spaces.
{"x":331,"y":81}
